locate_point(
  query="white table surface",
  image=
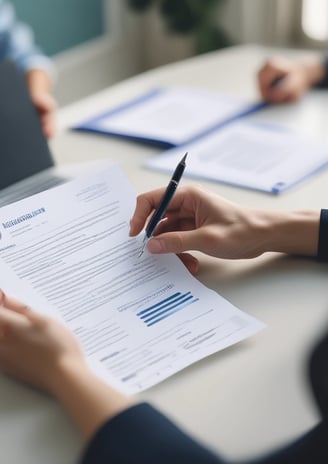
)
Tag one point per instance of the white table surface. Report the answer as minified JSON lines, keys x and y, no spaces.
{"x":254,"y":395}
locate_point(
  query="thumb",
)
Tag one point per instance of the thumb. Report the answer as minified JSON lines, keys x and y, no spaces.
{"x":174,"y":242}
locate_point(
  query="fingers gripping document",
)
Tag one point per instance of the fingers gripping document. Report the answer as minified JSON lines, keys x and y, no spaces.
{"x":66,"y":252}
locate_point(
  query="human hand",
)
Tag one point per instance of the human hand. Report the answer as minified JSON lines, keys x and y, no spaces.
{"x":46,"y":106}
{"x":40,"y":90}
{"x":198,"y":220}
{"x":203,"y":221}
{"x":41,"y":352}
{"x":281,"y":80}
{"x":33,"y":348}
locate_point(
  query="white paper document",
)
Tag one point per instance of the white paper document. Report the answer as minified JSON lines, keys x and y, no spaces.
{"x":250,"y":155}
{"x":169,"y":115}
{"x":66,"y":252}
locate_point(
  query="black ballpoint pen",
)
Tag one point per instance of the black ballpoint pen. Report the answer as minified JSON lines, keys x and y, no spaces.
{"x":165,"y":201}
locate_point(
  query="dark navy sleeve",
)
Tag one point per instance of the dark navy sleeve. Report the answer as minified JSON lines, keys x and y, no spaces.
{"x":319,"y":376}
{"x":323,"y":236}
{"x":324,"y":82}
{"x":142,"y":435}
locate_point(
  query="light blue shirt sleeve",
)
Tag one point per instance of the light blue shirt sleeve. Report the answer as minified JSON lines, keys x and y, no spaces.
{"x":17,"y":42}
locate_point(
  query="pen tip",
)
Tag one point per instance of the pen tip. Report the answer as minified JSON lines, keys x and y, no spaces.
{"x":184,"y":158}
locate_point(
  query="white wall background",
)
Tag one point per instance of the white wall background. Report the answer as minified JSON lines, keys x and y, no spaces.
{"x":101,"y":62}
{"x":139,"y":42}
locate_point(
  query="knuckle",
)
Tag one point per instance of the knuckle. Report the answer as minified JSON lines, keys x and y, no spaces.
{"x":178,"y":243}
{"x":196,"y":189}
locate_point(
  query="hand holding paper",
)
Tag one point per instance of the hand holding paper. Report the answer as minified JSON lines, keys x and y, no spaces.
{"x":139,"y":320}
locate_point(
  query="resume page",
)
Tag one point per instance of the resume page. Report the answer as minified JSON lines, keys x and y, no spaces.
{"x":66,"y":252}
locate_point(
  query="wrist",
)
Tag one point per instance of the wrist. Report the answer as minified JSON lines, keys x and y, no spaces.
{"x":38,"y":82}
{"x":291,"y":232}
{"x":65,"y":373}
{"x":88,"y":400}
{"x":314,"y":71}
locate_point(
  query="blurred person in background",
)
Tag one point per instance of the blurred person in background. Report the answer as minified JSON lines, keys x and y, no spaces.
{"x":283,"y":80}
{"x":17,"y":44}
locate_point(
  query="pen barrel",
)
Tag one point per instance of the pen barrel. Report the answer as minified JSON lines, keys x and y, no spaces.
{"x":168,"y":194}
{"x":178,"y":172}
{"x":162,"y":207}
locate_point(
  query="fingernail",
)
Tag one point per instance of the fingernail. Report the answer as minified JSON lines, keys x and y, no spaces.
{"x":155,"y":246}
{"x":195,"y":266}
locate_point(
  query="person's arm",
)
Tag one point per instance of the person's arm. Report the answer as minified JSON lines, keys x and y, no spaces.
{"x":199,"y":220}
{"x":40,"y":88}
{"x":17,"y":44}
{"x":43,"y":353}
{"x":322,"y":82}
{"x":282,"y":80}
{"x":141,"y":434}
{"x":322,"y":253}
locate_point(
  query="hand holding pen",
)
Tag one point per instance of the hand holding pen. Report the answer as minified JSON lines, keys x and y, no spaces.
{"x":198,"y":220}
{"x":165,"y":201}
{"x":282,"y":80}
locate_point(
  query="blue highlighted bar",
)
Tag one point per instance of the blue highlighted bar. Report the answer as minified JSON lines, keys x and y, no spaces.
{"x":169,"y":304}
{"x":158,"y":304}
{"x":166,"y":308}
{"x":172,"y":312}
{"x":169,"y":308}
